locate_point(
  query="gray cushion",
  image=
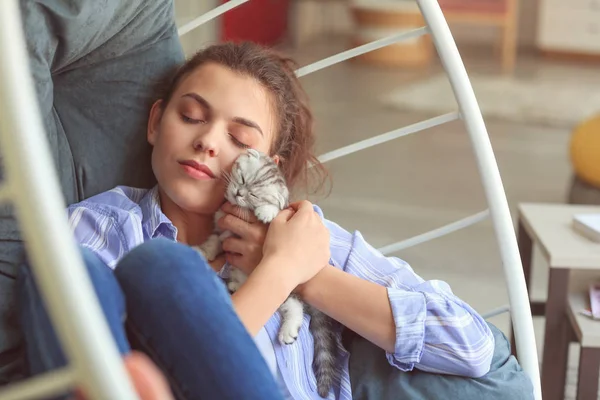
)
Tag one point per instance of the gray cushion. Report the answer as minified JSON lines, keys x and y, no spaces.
{"x":96,"y":65}
{"x":373,"y":378}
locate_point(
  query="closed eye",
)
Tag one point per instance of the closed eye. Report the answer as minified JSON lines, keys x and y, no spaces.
{"x":189,"y":120}
{"x":238,"y":143}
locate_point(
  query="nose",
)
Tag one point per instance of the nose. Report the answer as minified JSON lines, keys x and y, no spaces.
{"x":207,"y":141}
{"x":241,"y":192}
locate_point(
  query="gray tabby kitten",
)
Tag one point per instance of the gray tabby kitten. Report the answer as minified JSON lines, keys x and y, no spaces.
{"x":257,"y":184}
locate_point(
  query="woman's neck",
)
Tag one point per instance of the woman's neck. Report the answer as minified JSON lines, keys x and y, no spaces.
{"x":192,"y":229}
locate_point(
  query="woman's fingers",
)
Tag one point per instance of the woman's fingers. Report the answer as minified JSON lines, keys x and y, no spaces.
{"x":234,"y":224}
{"x":253,"y":232}
{"x":148,"y":381}
{"x":303,"y":209}
{"x":303,"y":205}
{"x":217,"y":263}
{"x":284,"y":215}
{"x":234,"y":245}
{"x":241,"y":213}
{"x":234,"y":259}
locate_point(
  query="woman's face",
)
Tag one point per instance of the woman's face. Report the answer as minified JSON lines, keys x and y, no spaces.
{"x":214,"y":116}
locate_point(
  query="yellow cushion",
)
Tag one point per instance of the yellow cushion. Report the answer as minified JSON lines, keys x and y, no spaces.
{"x":585,"y":151}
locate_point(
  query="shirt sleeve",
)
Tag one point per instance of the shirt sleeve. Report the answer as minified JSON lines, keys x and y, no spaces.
{"x":435,"y":330}
{"x":98,"y":230}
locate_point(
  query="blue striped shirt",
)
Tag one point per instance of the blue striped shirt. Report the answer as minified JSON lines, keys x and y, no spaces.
{"x":435,"y":330}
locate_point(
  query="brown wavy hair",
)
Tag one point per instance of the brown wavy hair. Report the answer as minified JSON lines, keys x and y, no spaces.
{"x":295,"y":138}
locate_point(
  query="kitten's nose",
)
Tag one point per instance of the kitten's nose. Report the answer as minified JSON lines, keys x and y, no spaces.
{"x":241,"y":192}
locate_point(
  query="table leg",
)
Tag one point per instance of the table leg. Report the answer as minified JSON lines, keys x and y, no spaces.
{"x":589,"y":369}
{"x":556,"y":336}
{"x":526,"y":250}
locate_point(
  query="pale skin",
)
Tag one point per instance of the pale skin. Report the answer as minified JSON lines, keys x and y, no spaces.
{"x":147,"y":380}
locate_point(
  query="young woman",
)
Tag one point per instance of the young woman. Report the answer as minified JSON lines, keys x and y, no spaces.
{"x":135,"y":243}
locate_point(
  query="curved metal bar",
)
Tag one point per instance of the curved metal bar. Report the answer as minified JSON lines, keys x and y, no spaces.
{"x":212,"y":14}
{"x":386,"y":137}
{"x":39,"y":205}
{"x":436,"y":233}
{"x":492,"y":184}
{"x":357,"y":51}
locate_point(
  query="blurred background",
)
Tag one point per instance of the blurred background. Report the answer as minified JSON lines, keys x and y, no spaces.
{"x":534,"y":66}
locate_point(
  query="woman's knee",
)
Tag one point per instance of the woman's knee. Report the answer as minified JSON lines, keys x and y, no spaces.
{"x":160,"y":256}
{"x":161,"y":265}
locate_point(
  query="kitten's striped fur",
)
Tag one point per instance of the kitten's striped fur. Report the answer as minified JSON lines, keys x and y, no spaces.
{"x":257,"y":184}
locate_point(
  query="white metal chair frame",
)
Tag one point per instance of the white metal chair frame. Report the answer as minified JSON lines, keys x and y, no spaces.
{"x":95,"y":364}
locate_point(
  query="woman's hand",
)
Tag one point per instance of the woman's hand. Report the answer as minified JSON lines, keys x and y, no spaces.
{"x":299,"y":240}
{"x":148,"y":381}
{"x":296,"y":248}
{"x":218,"y":263}
{"x":246,"y":250}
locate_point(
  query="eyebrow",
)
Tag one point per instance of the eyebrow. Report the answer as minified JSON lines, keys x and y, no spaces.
{"x":239,"y":120}
{"x":199,"y":99}
{"x":248,"y":123}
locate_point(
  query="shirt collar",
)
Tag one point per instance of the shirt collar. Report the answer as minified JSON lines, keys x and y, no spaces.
{"x":154,"y":221}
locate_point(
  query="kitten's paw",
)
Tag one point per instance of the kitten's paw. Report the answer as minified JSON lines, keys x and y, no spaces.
{"x":288,"y":333}
{"x":266,"y":214}
{"x":218,"y":215}
{"x":233,"y":286}
{"x":225,"y":235}
{"x":199,"y":250}
{"x":211,"y":248}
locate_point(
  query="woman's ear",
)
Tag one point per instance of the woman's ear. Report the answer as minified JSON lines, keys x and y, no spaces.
{"x":154,"y":121}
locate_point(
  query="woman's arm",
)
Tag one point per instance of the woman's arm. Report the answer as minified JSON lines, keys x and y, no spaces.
{"x":266,"y":288}
{"x":296,"y":248}
{"x":360,"y":305}
{"x":374,"y":295}
{"x":420,"y":324}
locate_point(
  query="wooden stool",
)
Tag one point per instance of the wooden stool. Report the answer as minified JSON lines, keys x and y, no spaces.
{"x":587,"y":332}
{"x":377,"y":20}
{"x":549,"y":226}
{"x":500,"y":13}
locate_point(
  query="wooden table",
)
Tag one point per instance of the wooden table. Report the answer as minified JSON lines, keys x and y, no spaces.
{"x":549,"y":226}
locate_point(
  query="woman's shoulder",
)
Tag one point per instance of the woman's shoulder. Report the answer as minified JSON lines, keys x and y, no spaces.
{"x":110,"y":222}
{"x":334,"y":229}
{"x":120,"y":199}
{"x":341,"y":241}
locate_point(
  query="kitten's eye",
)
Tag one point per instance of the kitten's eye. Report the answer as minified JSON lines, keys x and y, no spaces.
{"x":252,"y":195}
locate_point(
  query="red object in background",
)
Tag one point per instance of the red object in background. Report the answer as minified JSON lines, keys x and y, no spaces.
{"x":260,"y":21}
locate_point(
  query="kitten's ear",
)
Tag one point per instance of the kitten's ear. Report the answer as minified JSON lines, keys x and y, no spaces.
{"x":276,"y":159}
{"x":154,"y":121}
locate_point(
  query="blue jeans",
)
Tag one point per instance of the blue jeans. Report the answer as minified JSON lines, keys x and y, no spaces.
{"x":165,"y":300}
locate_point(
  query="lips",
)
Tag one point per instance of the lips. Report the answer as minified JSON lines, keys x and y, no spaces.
{"x":197,"y":170}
